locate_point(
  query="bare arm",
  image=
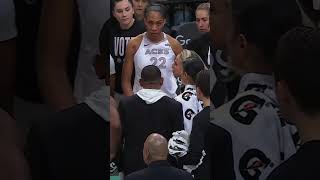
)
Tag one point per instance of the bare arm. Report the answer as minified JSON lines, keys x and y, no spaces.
{"x":127,"y":68}
{"x":175,"y":45}
{"x":55,"y":31}
{"x":115,"y":129}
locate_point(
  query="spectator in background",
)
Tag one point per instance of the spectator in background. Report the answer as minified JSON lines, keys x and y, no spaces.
{"x":155,"y":154}
{"x":202,"y":44}
{"x":149,"y":110}
{"x":116,"y":35}
{"x":298,"y":51}
{"x":202,"y":17}
{"x":139,"y":6}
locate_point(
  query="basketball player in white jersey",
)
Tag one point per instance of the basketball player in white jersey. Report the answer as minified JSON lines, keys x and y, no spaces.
{"x":153,"y":47}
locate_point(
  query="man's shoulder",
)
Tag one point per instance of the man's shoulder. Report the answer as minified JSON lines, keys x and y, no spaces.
{"x":180,"y":174}
{"x":151,"y":173}
{"x":138,"y":175}
{"x":129,"y":99}
{"x":287,"y":170}
{"x":170,"y":101}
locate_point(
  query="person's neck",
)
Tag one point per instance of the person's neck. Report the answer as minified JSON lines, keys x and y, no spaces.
{"x":155,"y":39}
{"x":151,"y":87}
{"x":139,"y":17}
{"x":127,"y":26}
{"x":308,"y":127}
{"x":256,"y":63}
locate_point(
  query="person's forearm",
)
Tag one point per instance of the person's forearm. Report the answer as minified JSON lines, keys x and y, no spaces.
{"x":55,"y":31}
{"x":127,"y":89}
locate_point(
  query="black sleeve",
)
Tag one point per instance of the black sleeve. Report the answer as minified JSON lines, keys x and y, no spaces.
{"x":35,"y":155}
{"x":176,"y":126}
{"x":104,"y":37}
{"x":222,"y":167}
{"x":199,"y":128}
{"x":178,"y":119}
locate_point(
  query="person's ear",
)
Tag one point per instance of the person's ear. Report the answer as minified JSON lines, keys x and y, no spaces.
{"x":161,"y":81}
{"x":141,"y":82}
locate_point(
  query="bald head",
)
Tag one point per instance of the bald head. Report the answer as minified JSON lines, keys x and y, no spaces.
{"x":155,"y":148}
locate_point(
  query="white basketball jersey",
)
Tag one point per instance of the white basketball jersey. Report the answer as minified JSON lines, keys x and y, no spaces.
{"x":159,"y":54}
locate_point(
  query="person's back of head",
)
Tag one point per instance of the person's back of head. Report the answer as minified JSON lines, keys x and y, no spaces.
{"x":155,"y":148}
{"x":297,"y":67}
{"x":203,"y":84}
{"x":257,"y":25}
{"x":151,"y":77}
{"x":192,"y":64}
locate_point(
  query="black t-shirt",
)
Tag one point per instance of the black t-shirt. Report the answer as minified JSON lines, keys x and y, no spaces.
{"x":27,"y":21}
{"x":216,"y":143}
{"x":201,"y":47}
{"x":301,"y":166}
{"x":114,"y":41}
{"x":139,"y":120}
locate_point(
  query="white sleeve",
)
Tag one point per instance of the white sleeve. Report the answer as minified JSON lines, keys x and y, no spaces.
{"x":7,"y":20}
{"x":112,"y":66}
{"x":190,"y":107}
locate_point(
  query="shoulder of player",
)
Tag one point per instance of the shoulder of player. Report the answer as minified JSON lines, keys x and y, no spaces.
{"x":173,"y":41}
{"x":127,"y":101}
{"x":175,"y":45}
{"x":135,"y":42}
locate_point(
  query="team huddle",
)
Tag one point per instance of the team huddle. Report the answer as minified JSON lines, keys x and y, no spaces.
{"x":211,"y":109}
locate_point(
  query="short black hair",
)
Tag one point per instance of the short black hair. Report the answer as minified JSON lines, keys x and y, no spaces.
{"x":297,"y":63}
{"x":157,"y":8}
{"x":151,"y":74}
{"x":192,"y":67}
{"x":114,"y":2}
{"x":263,"y":22}
{"x":203,"y":82}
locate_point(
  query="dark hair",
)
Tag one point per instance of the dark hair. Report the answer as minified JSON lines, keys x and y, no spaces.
{"x":297,"y":63}
{"x":192,"y":67}
{"x":151,"y":73}
{"x":157,"y":8}
{"x":114,"y":2}
{"x":203,"y":82}
{"x":263,"y":22}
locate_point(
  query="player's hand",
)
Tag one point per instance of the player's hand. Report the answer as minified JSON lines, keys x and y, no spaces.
{"x":178,"y":145}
